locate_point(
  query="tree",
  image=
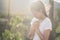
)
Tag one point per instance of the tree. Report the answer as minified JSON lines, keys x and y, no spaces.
{"x":51,"y":15}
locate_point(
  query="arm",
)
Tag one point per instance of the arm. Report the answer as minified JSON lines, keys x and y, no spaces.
{"x":47,"y":34}
{"x":40,"y":35}
{"x":35,"y":26}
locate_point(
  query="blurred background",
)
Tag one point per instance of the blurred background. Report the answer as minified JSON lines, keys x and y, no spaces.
{"x":15,"y":17}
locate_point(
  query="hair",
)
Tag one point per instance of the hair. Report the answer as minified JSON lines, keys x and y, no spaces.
{"x":39,"y":6}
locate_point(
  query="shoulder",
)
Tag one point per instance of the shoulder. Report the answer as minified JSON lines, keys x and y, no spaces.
{"x":48,"y":20}
{"x":48,"y":23}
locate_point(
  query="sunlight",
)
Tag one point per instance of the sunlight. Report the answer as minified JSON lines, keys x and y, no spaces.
{"x":57,"y":1}
{"x":18,"y":6}
{"x":22,"y":6}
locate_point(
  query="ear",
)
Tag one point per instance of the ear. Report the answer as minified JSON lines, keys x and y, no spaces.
{"x":48,"y":7}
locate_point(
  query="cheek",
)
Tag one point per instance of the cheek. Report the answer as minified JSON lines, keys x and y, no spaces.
{"x":38,"y":14}
{"x":35,"y":13}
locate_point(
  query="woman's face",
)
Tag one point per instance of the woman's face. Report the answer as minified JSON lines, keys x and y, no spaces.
{"x":37,"y":14}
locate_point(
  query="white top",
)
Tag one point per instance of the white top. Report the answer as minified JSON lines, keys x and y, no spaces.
{"x":45,"y":25}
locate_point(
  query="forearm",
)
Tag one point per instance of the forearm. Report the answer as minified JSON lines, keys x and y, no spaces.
{"x":35,"y":26}
{"x":31,"y":33}
{"x":40,"y":34}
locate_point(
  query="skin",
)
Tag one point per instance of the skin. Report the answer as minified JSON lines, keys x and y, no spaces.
{"x":47,"y":34}
{"x":38,"y":14}
{"x":34,"y":28}
{"x":40,"y":34}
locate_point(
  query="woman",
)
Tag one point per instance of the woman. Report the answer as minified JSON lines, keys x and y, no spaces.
{"x":41,"y":25}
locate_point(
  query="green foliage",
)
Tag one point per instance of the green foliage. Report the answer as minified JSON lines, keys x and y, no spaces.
{"x":57,"y":38}
{"x":18,"y":30}
{"x":18,"y":36}
{"x":7,"y":35}
{"x":57,"y":30}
